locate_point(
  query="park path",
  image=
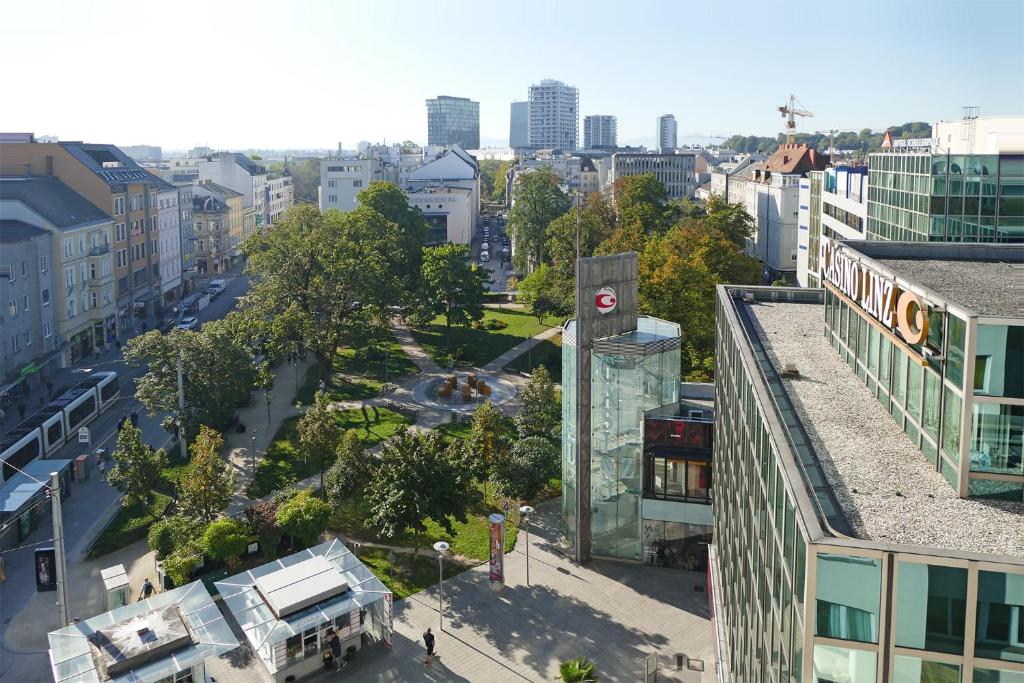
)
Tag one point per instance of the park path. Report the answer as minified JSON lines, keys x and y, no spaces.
{"x":499,"y":363}
{"x":422,"y":359}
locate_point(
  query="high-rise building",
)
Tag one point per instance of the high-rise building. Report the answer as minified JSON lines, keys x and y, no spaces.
{"x":600,"y":130}
{"x":519,"y":125}
{"x":869,"y":473}
{"x":667,"y":138}
{"x":554,"y":115}
{"x":453,"y":121}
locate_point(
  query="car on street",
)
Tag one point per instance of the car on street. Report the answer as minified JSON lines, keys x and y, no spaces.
{"x":216,"y":288}
{"x":189,"y":323}
{"x":484,"y":257}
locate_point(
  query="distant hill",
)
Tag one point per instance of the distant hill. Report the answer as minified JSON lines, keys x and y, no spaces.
{"x":865,"y":140}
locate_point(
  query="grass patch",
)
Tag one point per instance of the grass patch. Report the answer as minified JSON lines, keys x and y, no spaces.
{"x":547,"y":353}
{"x":403,"y":577}
{"x":476,"y":348}
{"x":129,"y":525}
{"x":357,"y":376}
{"x":310,"y":381}
{"x":283,"y":464}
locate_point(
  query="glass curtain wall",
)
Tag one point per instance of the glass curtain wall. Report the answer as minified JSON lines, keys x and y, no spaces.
{"x":569,"y":359}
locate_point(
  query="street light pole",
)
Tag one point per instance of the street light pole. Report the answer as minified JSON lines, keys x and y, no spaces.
{"x":181,"y":411}
{"x":252,"y":452}
{"x":267,"y":395}
{"x":441,"y":547}
{"x":526,"y":511}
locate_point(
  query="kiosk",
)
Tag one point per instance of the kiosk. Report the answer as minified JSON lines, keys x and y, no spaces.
{"x":115,"y":584}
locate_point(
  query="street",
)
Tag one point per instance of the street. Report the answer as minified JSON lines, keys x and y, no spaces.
{"x":495,"y":265}
{"x":92,"y":501}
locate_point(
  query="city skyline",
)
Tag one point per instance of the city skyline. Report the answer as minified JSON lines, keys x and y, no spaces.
{"x":300,"y":99}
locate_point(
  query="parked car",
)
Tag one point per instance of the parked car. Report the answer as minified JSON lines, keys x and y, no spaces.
{"x":484,"y":257}
{"x":189,"y":323}
{"x":485,"y":246}
{"x":216,"y":288}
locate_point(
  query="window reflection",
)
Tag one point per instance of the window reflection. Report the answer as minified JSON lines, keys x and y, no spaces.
{"x":930,"y":606}
{"x":997,"y":432}
{"x":1000,"y":629}
{"x":842,"y":665}
{"x":848,"y":593}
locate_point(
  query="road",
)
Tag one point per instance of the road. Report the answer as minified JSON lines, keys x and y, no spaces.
{"x":496,"y":266}
{"x":93,"y":500}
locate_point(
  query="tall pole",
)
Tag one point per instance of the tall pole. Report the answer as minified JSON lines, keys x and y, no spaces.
{"x":58,"y":544}
{"x":181,"y":411}
{"x":440,"y":594}
{"x":577,"y":225}
{"x":526,"y":511}
{"x":252,"y":453}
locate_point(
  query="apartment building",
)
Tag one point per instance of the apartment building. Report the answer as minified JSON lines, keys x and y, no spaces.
{"x":519,"y":125}
{"x":243,"y":175}
{"x":341,"y":181}
{"x":211,"y":252}
{"x":280,"y":195}
{"x":27,"y":327}
{"x":168,"y":241}
{"x":238,"y":227}
{"x":668,"y":138}
{"x":677,"y":172}
{"x":554,"y":116}
{"x":83,"y":293}
{"x":600,"y":130}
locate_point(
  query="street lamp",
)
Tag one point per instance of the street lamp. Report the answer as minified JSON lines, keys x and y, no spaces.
{"x":442,"y":549}
{"x":526,"y":511}
{"x":267,"y":395}
{"x":252,"y":452}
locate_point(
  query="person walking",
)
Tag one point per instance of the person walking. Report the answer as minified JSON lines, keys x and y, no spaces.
{"x":102,"y":467}
{"x":147,"y":590}
{"x":428,"y":640}
{"x":335,"y":644}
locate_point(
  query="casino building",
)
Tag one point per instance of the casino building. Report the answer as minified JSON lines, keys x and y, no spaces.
{"x":869,"y":473}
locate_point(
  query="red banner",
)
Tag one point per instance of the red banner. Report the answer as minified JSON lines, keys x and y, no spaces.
{"x":497,"y":566}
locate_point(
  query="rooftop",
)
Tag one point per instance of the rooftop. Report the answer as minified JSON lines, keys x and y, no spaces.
{"x":17,"y":231}
{"x":53,"y":200}
{"x":885,"y":487}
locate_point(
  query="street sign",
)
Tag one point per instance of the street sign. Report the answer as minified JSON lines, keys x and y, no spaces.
{"x":83,"y":435}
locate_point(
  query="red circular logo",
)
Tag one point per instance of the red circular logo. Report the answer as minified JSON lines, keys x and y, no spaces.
{"x":605,"y":301}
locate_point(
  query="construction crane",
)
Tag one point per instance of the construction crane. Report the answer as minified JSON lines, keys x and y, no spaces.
{"x":831,"y":133}
{"x":791,"y":111}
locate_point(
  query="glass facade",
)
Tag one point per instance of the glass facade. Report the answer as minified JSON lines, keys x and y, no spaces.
{"x":942,"y":197}
{"x":814,"y":228}
{"x":453,"y":121}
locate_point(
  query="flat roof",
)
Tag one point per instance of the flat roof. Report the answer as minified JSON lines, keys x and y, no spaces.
{"x":301,"y":585}
{"x":985,"y":287}
{"x":886,"y":488}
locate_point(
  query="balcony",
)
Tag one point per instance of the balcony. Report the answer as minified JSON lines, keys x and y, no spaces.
{"x":99,"y":250}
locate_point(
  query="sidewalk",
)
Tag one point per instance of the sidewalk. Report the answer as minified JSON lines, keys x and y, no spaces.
{"x":499,"y":363}
{"x":422,"y":359}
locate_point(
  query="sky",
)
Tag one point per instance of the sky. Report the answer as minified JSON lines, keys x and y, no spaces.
{"x":306,"y":74}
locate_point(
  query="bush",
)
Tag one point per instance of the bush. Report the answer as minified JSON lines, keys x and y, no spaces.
{"x":578,"y":670}
{"x":180,"y":565}
{"x":490,"y":324}
{"x":161,"y":538}
{"x":225,"y":539}
{"x":174,"y":532}
{"x":304,"y":518}
{"x":262,"y":520}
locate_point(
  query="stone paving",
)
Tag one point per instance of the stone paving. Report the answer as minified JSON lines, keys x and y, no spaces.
{"x":614,"y":613}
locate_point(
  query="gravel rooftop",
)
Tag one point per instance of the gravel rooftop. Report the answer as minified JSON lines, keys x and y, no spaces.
{"x":986,"y":287}
{"x":867,"y":458}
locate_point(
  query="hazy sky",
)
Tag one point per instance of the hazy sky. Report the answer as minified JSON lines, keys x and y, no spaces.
{"x":236,"y":74}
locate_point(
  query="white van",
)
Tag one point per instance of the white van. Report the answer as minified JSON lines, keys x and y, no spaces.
{"x":484,"y":257}
{"x":216,"y":288}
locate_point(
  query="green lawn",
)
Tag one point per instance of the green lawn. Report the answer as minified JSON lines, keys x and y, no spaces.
{"x":129,"y":525}
{"x":282,"y":464}
{"x":405,"y":577}
{"x":548,"y":353}
{"x":356,"y":377}
{"x":476,"y":348}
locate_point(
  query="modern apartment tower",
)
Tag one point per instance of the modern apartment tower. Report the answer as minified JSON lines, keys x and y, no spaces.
{"x":600,"y":130}
{"x":453,"y":121}
{"x":519,"y":125}
{"x":554,"y":116}
{"x":667,"y":136}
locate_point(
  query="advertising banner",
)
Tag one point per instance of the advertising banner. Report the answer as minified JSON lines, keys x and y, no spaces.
{"x":497,"y":565}
{"x":46,"y":569}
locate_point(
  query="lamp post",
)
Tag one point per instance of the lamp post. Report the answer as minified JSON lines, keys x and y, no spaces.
{"x":252,"y":451}
{"x":442,"y":548}
{"x":269,"y":396}
{"x":526,"y":511}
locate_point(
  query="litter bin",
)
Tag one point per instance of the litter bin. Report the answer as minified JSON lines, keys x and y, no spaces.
{"x":81,"y":470}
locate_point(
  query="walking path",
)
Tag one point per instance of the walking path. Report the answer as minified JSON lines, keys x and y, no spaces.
{"x":499,"y":363}
{"x":421,"y":358}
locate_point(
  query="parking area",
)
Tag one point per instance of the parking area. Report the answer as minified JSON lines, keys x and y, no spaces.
{"x":492,"y":249}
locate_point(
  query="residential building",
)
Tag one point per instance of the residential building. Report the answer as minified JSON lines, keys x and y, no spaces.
{"x":27,"y":326}
{"x":636,"y":443}
{"x":211,"y":251}
{"x":83,"y":291}
{"x":833,"y":204}
{"x":447,"y":190}
{"x":244,"y":175}
{"x":869,"y":473}
{"x":565,"y":165}
{"x":600,"y":130}
{"x":772,"y":198}
{"x":667,"y":135}
{"x":280,"y":195}
{"x":112,"y":181}
{"x":962,"y":185}
{"x":554,"y":116}
{"x":728,"y":180}
{"x":590,"y":177}
{"x":238,"y":226}
{"x":184,"y":183}
{"x":167,"y":243}
{"x":675,"y":171}
{"x":519,"y":125}
{"x":341,"y":181}
{"x":453,"y":121}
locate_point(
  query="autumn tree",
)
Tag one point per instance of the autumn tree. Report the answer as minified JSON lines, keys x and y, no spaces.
{"x":138,"y":469}
{"x":487,"y":442}
{"x":262,"y":520}
{"x":208,"y":482}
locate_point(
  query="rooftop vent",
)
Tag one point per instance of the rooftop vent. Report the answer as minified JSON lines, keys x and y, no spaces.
{"x":790,"y":371}
{"x":748,"y":298}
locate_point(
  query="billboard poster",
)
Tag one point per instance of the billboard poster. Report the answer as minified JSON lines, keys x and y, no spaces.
{"x":46,"y":569}
{"x":497,"y":565}
{"x":389,"y":619}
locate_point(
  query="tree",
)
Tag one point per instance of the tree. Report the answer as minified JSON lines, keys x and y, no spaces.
{"x":487,"y":442}
{"x":418,"y":479}
{"x":406,"y":251}
{"x":540,"y":410}
{"x":319,"y":433}
{"x":524,"y":472}
{"x":560,"y":239}
{"x":138,"y":469}
{"x":351,"y":473}
{"x":180,"y":564}
{"x":304,"y":518}
{"x":500,"y":182}
{"x":488,"y":171}
{"x":641,"y":200}
{"x":226,"y":540}
{"x":732,"y":220}
{"x":170,"y":533}
{"x":538,"y":201}
{"x":262,"y":520}
{"x":452,"y":287}
{"x":546,"y":294}
{"x":218,"y":375}
{"x":208,"y":482}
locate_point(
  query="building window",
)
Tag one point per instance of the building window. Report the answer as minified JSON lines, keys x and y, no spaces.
{"x":46,"y":297}
{"x":44,"y":264}
{"x":24,"y":303}
{"x":12,"y":308}
{"x":15,"y":344}
{"x":71,"y":306}
{"x":842,"y":613}
{"x":118,"y":206}
{"x":357,"y":183}
{"x":47,"y":329}
{"x":122,"y":258}
{"x":931,"y":605}
{"x":69,"y":247}
{"x":1000,"y":629}
{"x":93,"y":300}
{"x":69,"y":277}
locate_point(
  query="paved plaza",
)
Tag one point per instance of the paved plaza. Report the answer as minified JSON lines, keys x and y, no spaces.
{"x":614,"y":613}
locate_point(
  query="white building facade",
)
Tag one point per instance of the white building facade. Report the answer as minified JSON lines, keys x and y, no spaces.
{"x":677,"y":172}
{"x":341,"y":181}
{"x":447,"y":190}
{"x":554,"y":115}
{"x":833,"y":204}
{"x":279,"y":197}
{"x":168,"y":218}
{"x":667,"y":133}
{"x":600,"y":130}
{"x":239,"y":173}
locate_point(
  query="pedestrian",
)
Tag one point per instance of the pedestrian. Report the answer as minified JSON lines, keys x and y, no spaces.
{"x":147,"y":590}
{"x":428,"y":640}
{"x":102,"y":467}
{"x":335,"y":644}
{"x":323,"y":385}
